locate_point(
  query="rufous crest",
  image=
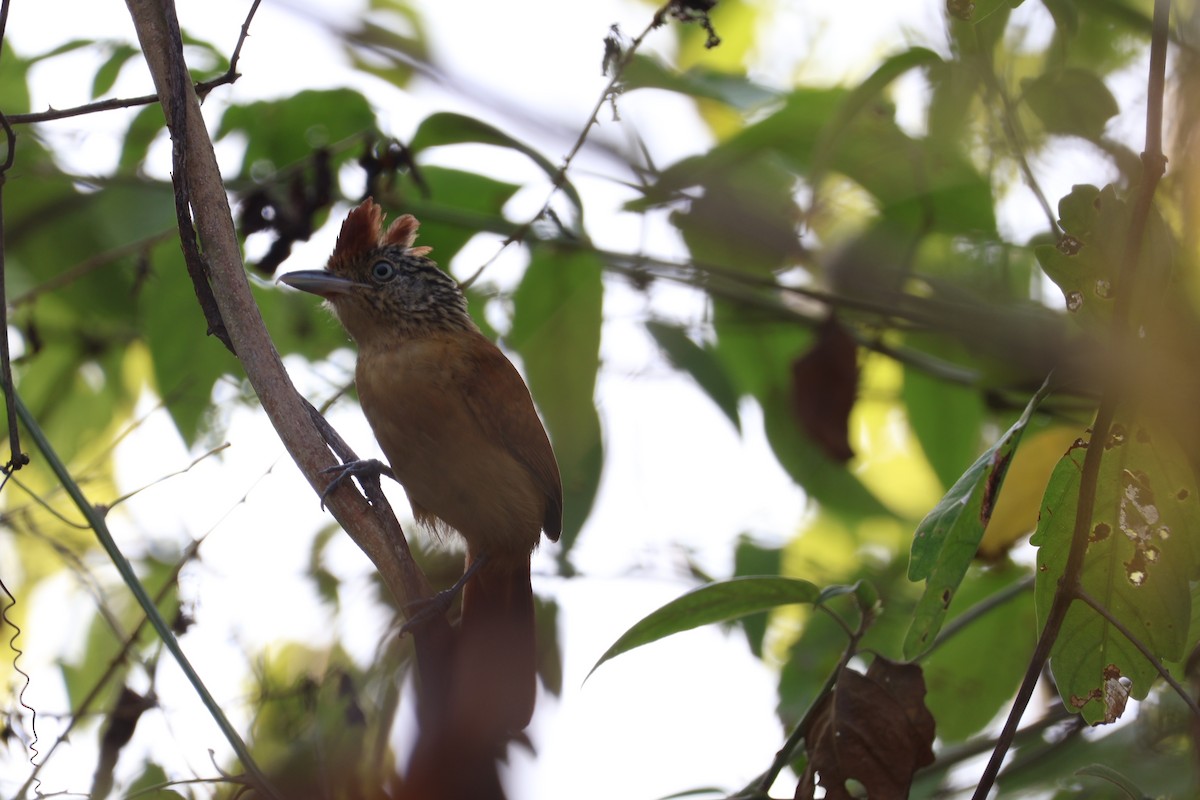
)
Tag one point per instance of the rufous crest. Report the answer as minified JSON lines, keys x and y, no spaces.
{"x":363,"y":232}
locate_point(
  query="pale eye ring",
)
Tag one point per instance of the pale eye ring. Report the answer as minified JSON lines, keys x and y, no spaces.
{"x":383,"y":271}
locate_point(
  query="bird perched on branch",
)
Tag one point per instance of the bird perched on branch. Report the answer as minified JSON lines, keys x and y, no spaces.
{"x":460,"y":432}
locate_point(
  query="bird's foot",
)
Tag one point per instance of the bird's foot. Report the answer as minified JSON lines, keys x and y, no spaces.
{"x":363,"y":469}
{"x":421,"y":611}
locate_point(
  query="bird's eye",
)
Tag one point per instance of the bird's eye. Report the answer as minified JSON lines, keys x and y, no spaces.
{"x":383,"y":271}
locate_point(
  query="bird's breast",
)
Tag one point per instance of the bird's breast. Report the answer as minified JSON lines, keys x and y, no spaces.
{"x":416,"y":397}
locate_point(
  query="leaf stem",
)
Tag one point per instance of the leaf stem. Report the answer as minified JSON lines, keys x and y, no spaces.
{"x":761,"y":785}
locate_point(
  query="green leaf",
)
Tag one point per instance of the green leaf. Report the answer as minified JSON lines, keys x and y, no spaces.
{"x":65,"y":47}
{"x":148,"y":785}
{"x":751,"y":558}
{"x":187,"y":362}
{"x":755,"y":347}
{"x":1107,"y":773}
{"x":648,"y":72}
{"x":391,"y":49}
{"x":1071,"y":101}
{"x":447,"y":128}
{"x":106,"y":73}
{"x":556,"y":331}
{"x":865,"y":94}
{"x":970,"y":677}
{"x":948,"y":537}
{"x":283,"y":132}
{"x":1140,"y":556}
{"x":701,"y":363}
{"x":716,"y":602}
{"x":929,"y":183}
{"x":1086,"y":262}
{"x":975,"y":11}
{"x":549,"y":645}
{"x":745,"y":220}
{"x":757,"y":351}
{"x":453,"y":207}
{"x":143,"y":130}
{"x":946,"y":419}
{"x":14,"y":90}
{"x":831,"y":484}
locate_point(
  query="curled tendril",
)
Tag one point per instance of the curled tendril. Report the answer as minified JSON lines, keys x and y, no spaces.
{"x":17,"y":653}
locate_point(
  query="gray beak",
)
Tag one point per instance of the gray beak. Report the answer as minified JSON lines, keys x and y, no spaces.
{"x":319,"y":282}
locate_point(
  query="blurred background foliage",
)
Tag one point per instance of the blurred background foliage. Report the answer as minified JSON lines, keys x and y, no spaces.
{"x":861,"y":289}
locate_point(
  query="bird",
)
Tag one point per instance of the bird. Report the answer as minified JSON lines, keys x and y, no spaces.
{"x":461,"y":434}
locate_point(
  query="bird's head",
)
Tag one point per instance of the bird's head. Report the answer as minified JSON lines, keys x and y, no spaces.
{"x":380,"y":286}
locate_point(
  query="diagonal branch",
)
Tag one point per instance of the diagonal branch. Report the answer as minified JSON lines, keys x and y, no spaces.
{"x":1154,"y":164}
{"x":286,"y":409}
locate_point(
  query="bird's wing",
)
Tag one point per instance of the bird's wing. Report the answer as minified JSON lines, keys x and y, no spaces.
{"x":515,"y":423}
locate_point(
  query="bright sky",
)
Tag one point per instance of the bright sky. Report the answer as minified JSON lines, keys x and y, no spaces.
{"x":693,"y":711}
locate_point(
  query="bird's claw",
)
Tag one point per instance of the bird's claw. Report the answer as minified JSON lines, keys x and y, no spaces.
{"x":424,"y":609}
{"x":363,"y":468}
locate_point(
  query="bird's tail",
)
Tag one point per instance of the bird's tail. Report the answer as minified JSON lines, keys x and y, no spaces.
{"x":497,"y":653}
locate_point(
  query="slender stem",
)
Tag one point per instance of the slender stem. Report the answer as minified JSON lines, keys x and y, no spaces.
{"x":983,"y":607}
{"x":202,"y":88}
{"x":1154,"y":661}
{"x":762,"y":784}
{"x":1014,"y":133}
{"x":17,"y":459}
{"x":96,"y":521}
{"x":560,"y":176}
{"x":1069,"y":584}
{"x":115,"y":663}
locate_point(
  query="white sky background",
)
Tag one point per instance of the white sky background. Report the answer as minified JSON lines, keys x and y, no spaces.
{"x":696,"y":710}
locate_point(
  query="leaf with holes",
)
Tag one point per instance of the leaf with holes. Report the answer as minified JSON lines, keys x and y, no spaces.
{"x":874,"y":729}
{"x":948,"y":538}
{"x":1140,"y":555}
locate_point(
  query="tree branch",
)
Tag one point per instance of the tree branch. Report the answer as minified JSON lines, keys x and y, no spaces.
{"x":286,"y":409}
{"x":202,"y":88}
{"x":1068,"y":589}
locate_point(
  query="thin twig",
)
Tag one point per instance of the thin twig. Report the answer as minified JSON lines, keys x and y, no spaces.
{"x":560,"y":176}
{"x":202,"y":88}
{"x":119,"y":660}
{"x":1011,"y":124}
{"x":1069,"y":584}
{"x":202,"y":457}
{"x":983,"y":607}
{"x":90,"y":265}
{"x":1150,"y":657}
{"x":762,"y":784}
{"x":16,"y":459}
